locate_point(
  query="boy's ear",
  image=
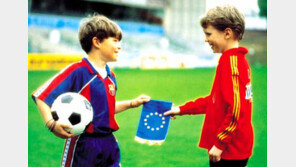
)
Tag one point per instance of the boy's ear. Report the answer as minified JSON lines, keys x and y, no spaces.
{"x":96,"y":42}
{"x":228,"y":33}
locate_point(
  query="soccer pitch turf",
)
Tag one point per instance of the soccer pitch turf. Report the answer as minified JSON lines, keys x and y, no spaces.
{"x":180,"y":147}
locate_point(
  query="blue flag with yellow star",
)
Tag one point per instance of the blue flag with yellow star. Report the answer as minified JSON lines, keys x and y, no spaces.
{"x":153,"y":125}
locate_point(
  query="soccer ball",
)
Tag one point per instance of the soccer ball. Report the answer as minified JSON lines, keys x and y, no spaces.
{"x":72,"y":109}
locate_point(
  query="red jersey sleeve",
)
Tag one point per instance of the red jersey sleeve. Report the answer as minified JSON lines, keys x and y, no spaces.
{"x":197,"y":106}
{"x":231,"y":96}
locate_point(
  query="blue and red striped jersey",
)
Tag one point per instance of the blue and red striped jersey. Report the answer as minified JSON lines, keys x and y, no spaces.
{"x":81,"y":77}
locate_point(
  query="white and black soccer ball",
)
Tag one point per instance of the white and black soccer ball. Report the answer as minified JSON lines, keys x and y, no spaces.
{"x":72,"y":109}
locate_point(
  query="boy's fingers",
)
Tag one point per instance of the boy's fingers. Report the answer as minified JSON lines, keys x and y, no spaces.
{"x":65,"y":126}
{"x":144,"y":97}
{"x":168,"y":113}
{"x":66,"y":134}
{"x":70,"y":135}
{"x":146,"y":100}
{"x":211,"y":158}
{"x":62,"y":132}
{"x":216,"y":158}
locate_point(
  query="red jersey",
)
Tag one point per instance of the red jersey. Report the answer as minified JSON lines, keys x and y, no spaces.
{"x":228,"y":108}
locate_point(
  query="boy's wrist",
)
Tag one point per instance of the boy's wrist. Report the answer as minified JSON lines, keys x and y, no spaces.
{"x":50,"y":124}
{"x":131,"y":104}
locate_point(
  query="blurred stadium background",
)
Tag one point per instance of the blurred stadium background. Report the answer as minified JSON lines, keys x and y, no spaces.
{"x":156,"y":33}
{"x":162,"y":45}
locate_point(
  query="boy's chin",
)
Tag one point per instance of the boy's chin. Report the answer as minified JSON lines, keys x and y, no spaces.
{"x":113,"y":60}
{"x":216,"y":51}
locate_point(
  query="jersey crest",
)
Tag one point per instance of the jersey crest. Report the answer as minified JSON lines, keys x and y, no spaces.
{"x":111,"y":89}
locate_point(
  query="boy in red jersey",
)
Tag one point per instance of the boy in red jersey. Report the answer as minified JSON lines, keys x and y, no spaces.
{"x":227,"y":130}
{"x":92,"y":78}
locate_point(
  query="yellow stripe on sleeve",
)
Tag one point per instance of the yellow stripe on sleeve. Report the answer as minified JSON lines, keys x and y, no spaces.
{"x":236,"y":99}
{"x":233,"y":62}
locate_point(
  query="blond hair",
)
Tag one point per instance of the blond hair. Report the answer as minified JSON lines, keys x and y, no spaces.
{"x":222,"y":17}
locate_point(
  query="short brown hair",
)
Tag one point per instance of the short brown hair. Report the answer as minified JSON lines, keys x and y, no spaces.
{"x":222,"y":17}
{"x":97,"y":26}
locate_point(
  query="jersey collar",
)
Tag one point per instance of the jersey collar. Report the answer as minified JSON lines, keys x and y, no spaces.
{"x":236,"y":51}
{"x":92,"y":70}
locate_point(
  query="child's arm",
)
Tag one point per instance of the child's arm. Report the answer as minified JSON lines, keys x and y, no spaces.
{"x":127,"y":104}
{"x":197,"y":106}
{"x":192,"y":107}
{"x":58,"y":129}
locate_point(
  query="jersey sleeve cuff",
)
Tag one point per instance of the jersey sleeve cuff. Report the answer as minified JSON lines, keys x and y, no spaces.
{"x":183,"y":110}
{"x":221,"y":145}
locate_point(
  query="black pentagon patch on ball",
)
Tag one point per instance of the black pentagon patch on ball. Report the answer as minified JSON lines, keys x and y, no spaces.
{"x":67,"y":99}
{"x":87,"y":105}
{"x":55,"y":115}
{"x":75,"y":118}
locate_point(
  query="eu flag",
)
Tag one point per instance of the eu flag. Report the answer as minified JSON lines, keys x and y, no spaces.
{"x":153,"y":125}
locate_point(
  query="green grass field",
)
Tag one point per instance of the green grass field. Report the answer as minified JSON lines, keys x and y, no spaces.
{"x":180,"y":148}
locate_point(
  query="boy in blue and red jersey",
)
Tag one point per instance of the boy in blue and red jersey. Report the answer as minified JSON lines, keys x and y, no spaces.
{"x":227,"y":131}
{"x":91,"y":77}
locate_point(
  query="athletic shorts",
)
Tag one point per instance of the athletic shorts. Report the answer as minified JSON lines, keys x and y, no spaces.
{"x":229,"y":163}
{"x":91,"y":151}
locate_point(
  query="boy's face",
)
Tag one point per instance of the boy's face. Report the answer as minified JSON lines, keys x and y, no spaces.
{"x":109,"y":48}
{"x":216,"y":39}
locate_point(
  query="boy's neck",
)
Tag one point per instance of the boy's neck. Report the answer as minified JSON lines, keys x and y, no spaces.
{"x":231,"y":45}
{"x":96,"y":60}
